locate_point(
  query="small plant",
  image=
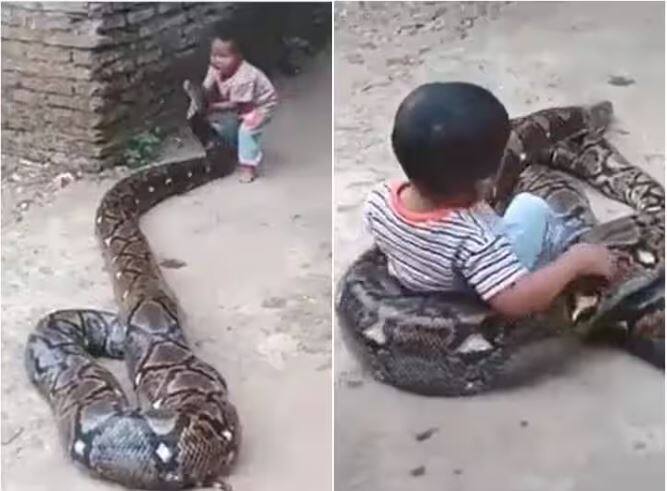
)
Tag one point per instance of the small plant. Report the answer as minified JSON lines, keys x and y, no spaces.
{"x":143,"y":148}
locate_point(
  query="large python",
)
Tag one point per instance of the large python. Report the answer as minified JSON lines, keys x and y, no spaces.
{"x":185,"y":432}
{"x":453,"y":345}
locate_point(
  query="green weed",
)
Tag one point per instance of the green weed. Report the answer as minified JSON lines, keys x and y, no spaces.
{"x":142,"y":149}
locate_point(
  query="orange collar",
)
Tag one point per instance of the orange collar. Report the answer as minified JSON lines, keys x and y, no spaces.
{"x":414,"y":217}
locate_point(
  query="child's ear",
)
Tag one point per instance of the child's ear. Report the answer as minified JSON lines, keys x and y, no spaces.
{"x":485,"y":188}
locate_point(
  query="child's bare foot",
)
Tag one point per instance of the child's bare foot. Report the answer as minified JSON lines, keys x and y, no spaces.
{"x":248,"y":173}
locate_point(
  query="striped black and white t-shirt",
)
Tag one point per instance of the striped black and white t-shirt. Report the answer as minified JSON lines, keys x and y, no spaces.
{"x":444,"y":250}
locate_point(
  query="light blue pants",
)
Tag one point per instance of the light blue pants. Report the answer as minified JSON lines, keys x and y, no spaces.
{"x":536,"y":232}
{"x":250,"y":151}
{"x":235,"y":135}
{"x":226,"y":125}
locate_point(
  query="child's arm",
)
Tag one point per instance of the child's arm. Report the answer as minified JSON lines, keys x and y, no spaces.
{"x":209,"y":84}
{"x":534,"y":292}
{"x":240,"y":97}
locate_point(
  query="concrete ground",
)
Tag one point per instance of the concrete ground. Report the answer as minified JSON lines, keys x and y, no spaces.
{"x":256,"y":289}
{"x":598,"y":425}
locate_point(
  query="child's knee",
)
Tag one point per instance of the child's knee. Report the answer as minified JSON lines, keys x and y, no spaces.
{"x":529,"y":199}
{"x":525,"y":223}
{"x":528,"y":215}
{"x":529,"y":205}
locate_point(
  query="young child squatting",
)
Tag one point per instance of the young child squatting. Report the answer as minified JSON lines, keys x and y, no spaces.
{"x":241,"y":100}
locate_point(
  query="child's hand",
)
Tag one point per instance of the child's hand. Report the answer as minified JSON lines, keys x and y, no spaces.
{"x":593,"y":260}
{"x":536,"y":291}
{"x":252,"y":119}
{"x":192,"y":109}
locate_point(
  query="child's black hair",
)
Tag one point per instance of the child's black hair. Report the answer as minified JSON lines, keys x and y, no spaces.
{"x":227,"y":36}
{"x":448,"y":136}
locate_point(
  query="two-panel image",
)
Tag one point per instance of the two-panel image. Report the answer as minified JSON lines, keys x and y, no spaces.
{"x":333,"y":246}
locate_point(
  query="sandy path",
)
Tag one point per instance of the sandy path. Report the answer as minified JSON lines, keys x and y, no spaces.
{"x":600,"y":423}
{"x":256,"y":290}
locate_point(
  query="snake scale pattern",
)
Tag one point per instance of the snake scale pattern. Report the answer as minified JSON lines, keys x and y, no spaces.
{"x":184,"y":432}
{"x":453,"y":345}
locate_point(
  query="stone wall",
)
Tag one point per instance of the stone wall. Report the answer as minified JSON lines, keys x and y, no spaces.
{"x":79,"y":79}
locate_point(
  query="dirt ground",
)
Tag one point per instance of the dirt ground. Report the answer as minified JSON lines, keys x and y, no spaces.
{"x":256,"y":289}
{"x":597,"y":425}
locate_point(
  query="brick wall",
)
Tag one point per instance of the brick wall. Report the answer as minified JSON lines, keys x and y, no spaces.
{"x":79,"y":79}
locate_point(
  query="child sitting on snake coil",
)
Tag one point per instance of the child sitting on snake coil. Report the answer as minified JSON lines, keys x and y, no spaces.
{"x":437,"y":232}
{"x":240,"y":101}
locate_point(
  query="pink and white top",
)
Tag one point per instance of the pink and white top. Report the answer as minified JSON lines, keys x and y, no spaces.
{"x":248,"y":86}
